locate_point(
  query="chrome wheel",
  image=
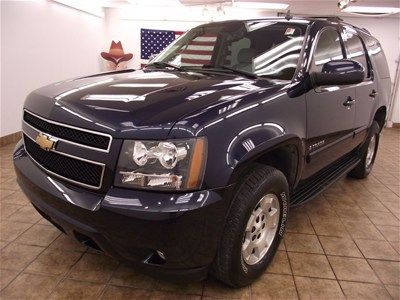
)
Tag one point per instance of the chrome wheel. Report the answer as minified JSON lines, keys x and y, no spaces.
{"x":370,"y":152}
{"x":261,"y":229}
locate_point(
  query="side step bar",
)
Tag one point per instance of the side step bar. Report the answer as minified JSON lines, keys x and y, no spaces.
{"x":318,"y":183}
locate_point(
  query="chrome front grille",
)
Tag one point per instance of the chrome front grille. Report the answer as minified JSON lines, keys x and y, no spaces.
{"x":69,"y":133}
{"x":68,"y":159}
{"x":77,"y":171}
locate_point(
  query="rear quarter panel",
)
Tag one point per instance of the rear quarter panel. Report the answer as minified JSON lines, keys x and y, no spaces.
{"x":380,"y":70}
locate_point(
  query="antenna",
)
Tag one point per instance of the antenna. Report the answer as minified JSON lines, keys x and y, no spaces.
{"x":288,"y":16}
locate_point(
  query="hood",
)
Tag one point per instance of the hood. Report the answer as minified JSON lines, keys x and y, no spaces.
{"x":123,"y":103}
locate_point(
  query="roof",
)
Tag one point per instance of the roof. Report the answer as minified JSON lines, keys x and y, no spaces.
{"x":294,"y":19}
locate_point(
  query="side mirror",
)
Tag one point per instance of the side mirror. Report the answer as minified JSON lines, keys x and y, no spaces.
{"x":339,"y":72}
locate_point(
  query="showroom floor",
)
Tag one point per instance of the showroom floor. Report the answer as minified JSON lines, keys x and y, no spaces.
{"x":342,"y":244}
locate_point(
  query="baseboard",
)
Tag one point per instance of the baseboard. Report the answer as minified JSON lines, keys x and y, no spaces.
{"x":396,"y":125}
{"x":10,"y":139}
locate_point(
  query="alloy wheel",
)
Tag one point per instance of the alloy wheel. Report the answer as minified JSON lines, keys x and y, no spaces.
{"x":370,"y":152}
{"x":261,"y":229}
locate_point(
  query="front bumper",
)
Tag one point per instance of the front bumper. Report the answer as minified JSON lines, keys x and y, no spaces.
{"x":132,"y":225}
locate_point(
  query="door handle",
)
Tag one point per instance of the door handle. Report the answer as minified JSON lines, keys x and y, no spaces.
{"x":349,"y":102}
{"x":373,"y":94}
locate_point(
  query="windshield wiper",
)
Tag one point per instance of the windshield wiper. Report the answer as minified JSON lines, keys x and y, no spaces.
{"x":164,"y":65}
{"x":232,"y":70}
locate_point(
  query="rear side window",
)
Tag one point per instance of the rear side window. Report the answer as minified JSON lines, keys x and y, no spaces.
{"x":355,"y":49}
{"x":328,"y":48}
{"x":377,"y":55}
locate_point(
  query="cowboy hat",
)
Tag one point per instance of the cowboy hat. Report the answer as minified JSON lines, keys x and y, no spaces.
{"x":116,"y":53}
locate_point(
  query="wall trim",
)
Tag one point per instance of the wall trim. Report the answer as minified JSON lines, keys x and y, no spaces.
{"x":10,"y":138}
{"x":396,"y":125}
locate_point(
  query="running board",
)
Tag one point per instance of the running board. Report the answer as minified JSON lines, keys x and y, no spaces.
{"x":324,"y":179}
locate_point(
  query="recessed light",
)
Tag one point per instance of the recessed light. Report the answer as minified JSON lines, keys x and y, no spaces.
{"x":262,"y":5}
{"x":342,"y":4}
{"x":372,"y":10}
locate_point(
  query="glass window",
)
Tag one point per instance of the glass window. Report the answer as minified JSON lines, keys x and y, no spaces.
{"x":328,"y":48}
{"x":376,"y":53}
{"x":355,"y":49}
{"x":265,"y":48}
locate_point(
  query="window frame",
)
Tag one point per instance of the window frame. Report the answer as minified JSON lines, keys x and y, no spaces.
{"x":317,"y":38}
{"x":369,"y":72}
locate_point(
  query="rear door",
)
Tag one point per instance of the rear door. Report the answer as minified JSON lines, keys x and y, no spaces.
{"x":366,"y":92}
{"x":330,"y":118}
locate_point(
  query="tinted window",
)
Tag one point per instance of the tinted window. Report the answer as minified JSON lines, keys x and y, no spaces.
{"x":377,"y":55}
{"x":265,"y":48}
{"x":355,"y":49}
{"x":328,"y":48}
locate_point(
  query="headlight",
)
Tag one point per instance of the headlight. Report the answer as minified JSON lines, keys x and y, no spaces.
{"x":163,"y":165}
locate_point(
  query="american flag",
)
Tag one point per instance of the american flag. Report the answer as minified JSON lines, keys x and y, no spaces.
{"x":199,"y":51}
{"x":154,"y":41}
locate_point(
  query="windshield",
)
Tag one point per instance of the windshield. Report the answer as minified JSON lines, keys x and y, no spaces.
{"x":263,"y":48}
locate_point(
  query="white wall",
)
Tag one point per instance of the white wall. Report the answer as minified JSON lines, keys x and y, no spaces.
{"x":41,"y":43}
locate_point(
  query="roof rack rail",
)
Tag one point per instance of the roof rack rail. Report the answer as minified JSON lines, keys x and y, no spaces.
{"x":331,"y":18}
{"x":366,"y":30}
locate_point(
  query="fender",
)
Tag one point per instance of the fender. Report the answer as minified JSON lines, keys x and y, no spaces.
{"x":250,"y":139}
{"x":265,"y":140}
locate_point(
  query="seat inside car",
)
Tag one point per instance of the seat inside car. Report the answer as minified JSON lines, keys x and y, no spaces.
{"x":245,"y":59}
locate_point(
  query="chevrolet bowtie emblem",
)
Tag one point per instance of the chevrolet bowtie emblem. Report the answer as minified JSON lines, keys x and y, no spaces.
{"x":46,"y":142}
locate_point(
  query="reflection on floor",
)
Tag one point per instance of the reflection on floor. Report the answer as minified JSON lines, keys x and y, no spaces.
{"x":344,"y":244}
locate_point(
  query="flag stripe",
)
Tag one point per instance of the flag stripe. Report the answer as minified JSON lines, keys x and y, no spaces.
{"x":197,"y":52}
{"x":202,"y":43}
{"x":194,"y":56}
{"x":199,"y":48}
{"x":192,"y":64}
{"x":205,"y":39}
{"x":196,"y":61}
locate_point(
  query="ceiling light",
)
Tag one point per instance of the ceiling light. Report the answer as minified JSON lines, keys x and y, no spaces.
{"x":262,"y":5}
{"x":372,"y":10}
{"x":343,"y":4}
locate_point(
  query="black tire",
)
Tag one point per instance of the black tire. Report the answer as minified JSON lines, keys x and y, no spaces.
{"x":363,"y":169}
{"x":229,"y":265}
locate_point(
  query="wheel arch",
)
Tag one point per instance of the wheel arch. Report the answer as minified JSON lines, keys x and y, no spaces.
{"x":282,"y":153}
{"x":380,"y":116}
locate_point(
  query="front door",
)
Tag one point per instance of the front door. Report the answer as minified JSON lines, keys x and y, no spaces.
{"x":330,"y":109}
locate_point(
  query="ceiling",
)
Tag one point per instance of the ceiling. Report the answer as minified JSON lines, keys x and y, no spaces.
{"x":329,"y":7}
{"x":302,"y":7}
{"x":190,"y":9}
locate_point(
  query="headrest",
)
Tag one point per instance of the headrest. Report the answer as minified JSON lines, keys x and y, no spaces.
{"x":246,"y":55}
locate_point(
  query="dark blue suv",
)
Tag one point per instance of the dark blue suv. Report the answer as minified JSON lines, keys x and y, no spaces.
{"x":190,"y":165}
